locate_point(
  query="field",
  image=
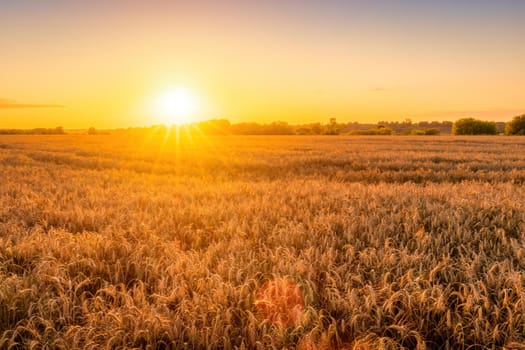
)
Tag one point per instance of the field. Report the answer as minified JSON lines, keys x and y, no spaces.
{"x":298,"y":242}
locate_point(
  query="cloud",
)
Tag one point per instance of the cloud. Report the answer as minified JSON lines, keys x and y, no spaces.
{"x":6,"y":104}
{"x":378,"y":89}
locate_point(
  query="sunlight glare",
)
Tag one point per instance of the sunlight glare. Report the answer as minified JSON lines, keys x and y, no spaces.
{"x":176,"y":106}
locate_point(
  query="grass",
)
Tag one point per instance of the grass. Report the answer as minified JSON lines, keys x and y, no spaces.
{"x":137,"y":241}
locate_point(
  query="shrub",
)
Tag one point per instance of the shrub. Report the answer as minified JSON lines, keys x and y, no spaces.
{"x":471,"y":126}
{"x":432,"y":131}
{"x":381,"y":130}
{"x":93,"y":131}
{"x":427,"y":131}
{"x":516,"y":126}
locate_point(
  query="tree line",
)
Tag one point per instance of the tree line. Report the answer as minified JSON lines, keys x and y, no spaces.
{"x":37,"y":131}
{"x":471,"y":126}
{"x":464,"y":126}
{"x":223,"y":126}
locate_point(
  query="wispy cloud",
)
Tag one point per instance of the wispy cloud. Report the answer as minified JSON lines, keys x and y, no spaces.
{"x":6,"y":104}
{"x":378,"y":89}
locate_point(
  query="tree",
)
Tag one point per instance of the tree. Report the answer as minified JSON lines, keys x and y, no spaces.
{"x":331,"y":128}
{"x":516,"y":126}
{"x":471,"y":126}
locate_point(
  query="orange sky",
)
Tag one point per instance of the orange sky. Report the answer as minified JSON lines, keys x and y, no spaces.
{"x":297,"y":61}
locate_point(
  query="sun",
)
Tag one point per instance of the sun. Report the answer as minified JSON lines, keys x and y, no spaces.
{"x":177,"y":106}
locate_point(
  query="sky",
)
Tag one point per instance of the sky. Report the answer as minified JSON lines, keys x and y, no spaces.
{"x":101,"y":63}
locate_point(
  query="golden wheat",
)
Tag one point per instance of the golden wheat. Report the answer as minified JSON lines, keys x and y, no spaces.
{"x":128,"y":241}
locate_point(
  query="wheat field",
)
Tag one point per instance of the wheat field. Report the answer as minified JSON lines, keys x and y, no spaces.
{"x":238,"y":242}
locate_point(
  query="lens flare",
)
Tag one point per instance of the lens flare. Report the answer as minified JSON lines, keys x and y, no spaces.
{"x":280,"y":302}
